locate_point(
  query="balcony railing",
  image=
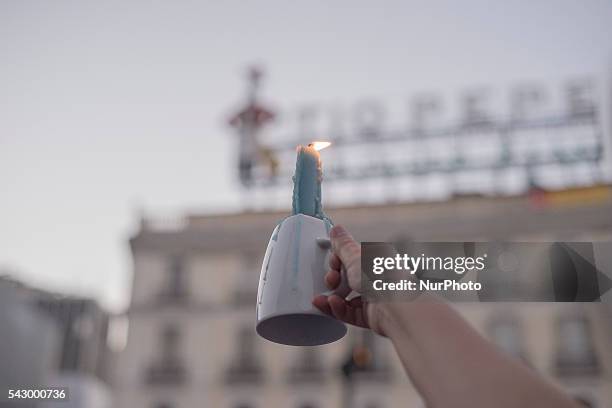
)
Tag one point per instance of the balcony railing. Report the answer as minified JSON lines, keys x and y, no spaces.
{"x":307,"y":368}
{"x":380,"y":373}
{"x":171,"y":372}
{"x":173,"y":296}
{"x":588,"y":365}
{"x":306,"y":374}
{"x":244,"y":296}
{"x":244,"y":372}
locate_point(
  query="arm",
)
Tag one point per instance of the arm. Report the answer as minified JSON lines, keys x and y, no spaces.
{"x":449,"y":363}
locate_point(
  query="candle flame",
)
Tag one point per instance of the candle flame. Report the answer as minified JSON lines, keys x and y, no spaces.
{"x":320,"y":145}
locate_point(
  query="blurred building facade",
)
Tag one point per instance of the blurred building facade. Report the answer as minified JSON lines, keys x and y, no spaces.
{"x":29,"y":341}
{"x":54,"y":340}
{"x":192,"y":341}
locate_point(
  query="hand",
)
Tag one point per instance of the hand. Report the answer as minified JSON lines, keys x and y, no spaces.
{"x":356,"y":311}
{"x":436,"y":346}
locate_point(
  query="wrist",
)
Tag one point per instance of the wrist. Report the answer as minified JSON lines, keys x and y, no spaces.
{"x":388,"y":318}
{"x":400,"y":319}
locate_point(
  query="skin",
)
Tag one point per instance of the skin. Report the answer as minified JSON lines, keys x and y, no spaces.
{"x":449,"y":363}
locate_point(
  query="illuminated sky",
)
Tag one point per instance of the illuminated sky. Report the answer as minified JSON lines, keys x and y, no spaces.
{"x":110,"y":107}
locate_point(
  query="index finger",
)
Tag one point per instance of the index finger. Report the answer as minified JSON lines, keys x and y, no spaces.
{"x":334,"y":262}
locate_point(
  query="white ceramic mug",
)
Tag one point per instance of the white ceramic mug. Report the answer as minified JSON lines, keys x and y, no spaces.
{"x":292,"y":274}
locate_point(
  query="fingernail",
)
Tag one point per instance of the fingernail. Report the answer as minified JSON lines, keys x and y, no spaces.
{"x":337,"y":231}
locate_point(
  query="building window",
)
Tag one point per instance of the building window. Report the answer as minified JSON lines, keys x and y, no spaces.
{"x":168,"y":368}
{"x":245,"y":292}
{"x":175,"y":287}
{"x":82,"y":326}
{"x":575,"y":354}
{"x":246,"y":366}
{"x":367,"y":359}
{"x":506,"y":332}
{"x":308,"y":367}
{"x":380,"y":366}
{"x":170,"y":342}
{"x":584,"y":401}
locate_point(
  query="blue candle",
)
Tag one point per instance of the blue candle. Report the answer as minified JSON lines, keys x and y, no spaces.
{"x":307,"y":182}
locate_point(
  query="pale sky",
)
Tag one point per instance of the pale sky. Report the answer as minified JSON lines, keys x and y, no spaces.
{"x":108,"y":107}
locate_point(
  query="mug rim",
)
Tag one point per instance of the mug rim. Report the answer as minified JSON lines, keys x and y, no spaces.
{"x":289,"y":328}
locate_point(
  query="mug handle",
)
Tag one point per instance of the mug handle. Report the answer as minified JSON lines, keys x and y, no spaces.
{"x":343,"y":288}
